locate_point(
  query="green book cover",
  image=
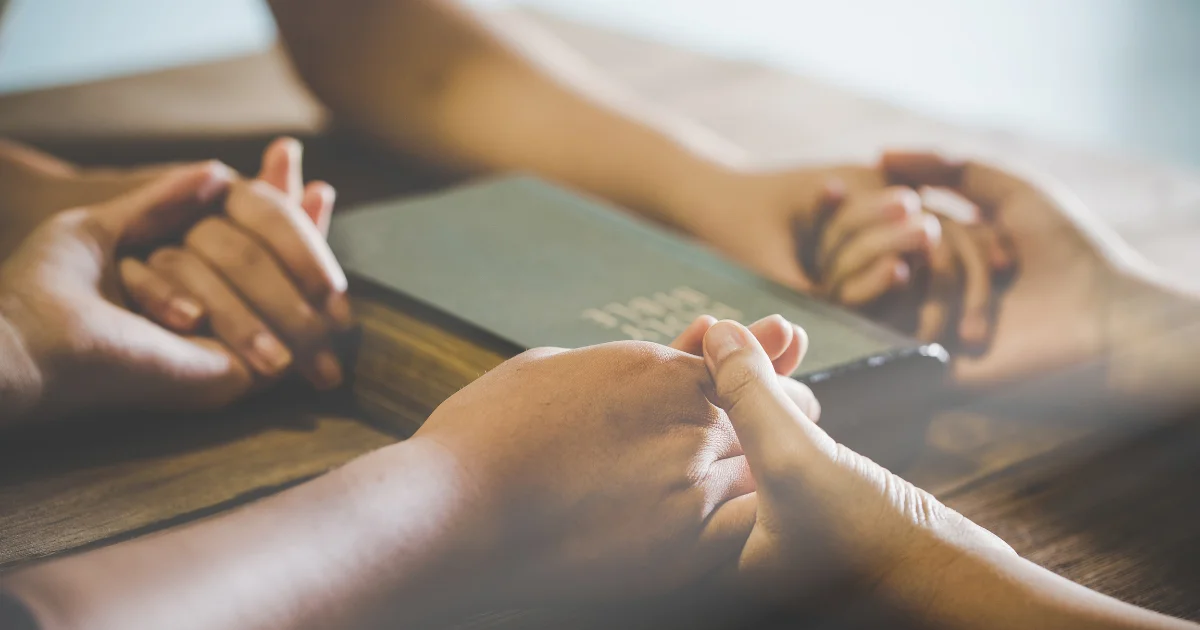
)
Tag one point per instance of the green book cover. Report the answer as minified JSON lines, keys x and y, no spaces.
{"x":537,"y":265}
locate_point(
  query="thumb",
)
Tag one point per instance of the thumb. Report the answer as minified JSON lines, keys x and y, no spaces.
{"x":281,"y":167}
{"x":773,"y":431}
{"x":318,"y":205}
{"x":162,"y":207}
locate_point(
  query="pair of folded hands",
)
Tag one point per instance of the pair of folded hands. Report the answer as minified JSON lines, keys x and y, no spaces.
{"x":241,"y":296}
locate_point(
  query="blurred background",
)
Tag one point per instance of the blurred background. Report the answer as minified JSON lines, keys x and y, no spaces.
{"x":1116,"y":75}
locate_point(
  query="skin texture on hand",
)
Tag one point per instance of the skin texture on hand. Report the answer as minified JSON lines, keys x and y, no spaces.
{"x":850,"y":234}
{"x":566,"y":475}
{"x":644,"y":513}
{"x":64,"y":294}
{"x":58,"y":292}
{"x":824,"y":513}
{"x":861,"y":247}
{"x":559,"y":476}
{"x":259,"y":275}
{"x":602,"y":470}
{"x":1054,"y":314}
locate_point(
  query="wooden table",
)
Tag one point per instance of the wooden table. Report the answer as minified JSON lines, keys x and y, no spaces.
{"x":1113,"y":507}
{"x":1112,"y":504}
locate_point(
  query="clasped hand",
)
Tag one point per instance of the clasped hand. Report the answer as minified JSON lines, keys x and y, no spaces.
{"x":241,"y":290}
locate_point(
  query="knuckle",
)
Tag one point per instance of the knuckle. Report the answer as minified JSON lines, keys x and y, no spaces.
{"x":80,"y":223}
{"x":537,"y":354}
{"x":259,"y":202}
{"x":779,"y":463}
{"x":141,"y":284}
{"x":738,"y":379}
{"x":533,"y":357}
{"x":224,"y":245}
{"x":130,"y":270}
{"x":308,"y":327}
{"x":70,"y":219}
{"x":208,"y":228}
{"x":239,"y":328}
{"x":167,"y":258}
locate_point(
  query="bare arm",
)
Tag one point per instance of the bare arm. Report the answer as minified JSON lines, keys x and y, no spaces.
{"x":817,"y":499}
{"x":427,"y":78}
{"x":1002,"y":591}
{"x":354,"y":546}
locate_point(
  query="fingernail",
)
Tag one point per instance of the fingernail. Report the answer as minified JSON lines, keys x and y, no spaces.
{"x":725,"y":338}
{"x":219,"y":178}
{"x":274,"y":356}
{"x":292,"y":147}
{"x":769,"y":318}
{"x":901,"y":273}
{"x":183,"y":312}
{"x":338,"y":308}
{"x":801,"y":337}
{"x":950,"y":204}
{"x":328,"y":370}
{"x":933,"y":230}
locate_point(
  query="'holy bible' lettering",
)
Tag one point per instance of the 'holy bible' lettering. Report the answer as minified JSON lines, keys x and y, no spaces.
{"x":660,"y":316}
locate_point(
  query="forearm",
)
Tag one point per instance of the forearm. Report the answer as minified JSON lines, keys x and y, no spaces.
{"x":1153,"y":342}
{"x":425,"y":77}
{"x":358,"y":545}
{"x":1002,"y":591}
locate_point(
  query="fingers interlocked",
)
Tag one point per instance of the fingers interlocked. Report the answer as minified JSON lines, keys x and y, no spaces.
{"x":259,"y":274}
{"x":774,"y":431}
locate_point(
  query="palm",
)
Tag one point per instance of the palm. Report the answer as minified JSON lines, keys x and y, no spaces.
{"x":133,"y":359}
{"x":1052,"y":314}
{"x":1055,"y":312}
{"x":759,"y":219}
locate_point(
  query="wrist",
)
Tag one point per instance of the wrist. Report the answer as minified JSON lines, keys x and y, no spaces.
{"x":928,"y":583}
{"x":414,"y":500}
{"x":1152,"y":343}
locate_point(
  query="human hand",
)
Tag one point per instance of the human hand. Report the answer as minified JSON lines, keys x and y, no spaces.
{"x":622,"y":423}
{"x":846,"y":234}
{"x":914,"y":258}
{"x":861,"y":243}
{"x":595,"y":471}
{"x":260,"y":274}
{"x":1054,"y":313}
{"x":822,"y":512}
{"x":765,"y":220}
{"x":784,"y":342}
{"x":35,"y":185}
{"x":83,"y":349}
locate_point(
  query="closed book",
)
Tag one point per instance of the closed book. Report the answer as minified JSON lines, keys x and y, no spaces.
{"x":469,"y":276}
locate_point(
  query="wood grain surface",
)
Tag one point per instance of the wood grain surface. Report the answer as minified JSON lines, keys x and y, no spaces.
{"x":1115,"y":514}
{"x":1113,"y":505}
